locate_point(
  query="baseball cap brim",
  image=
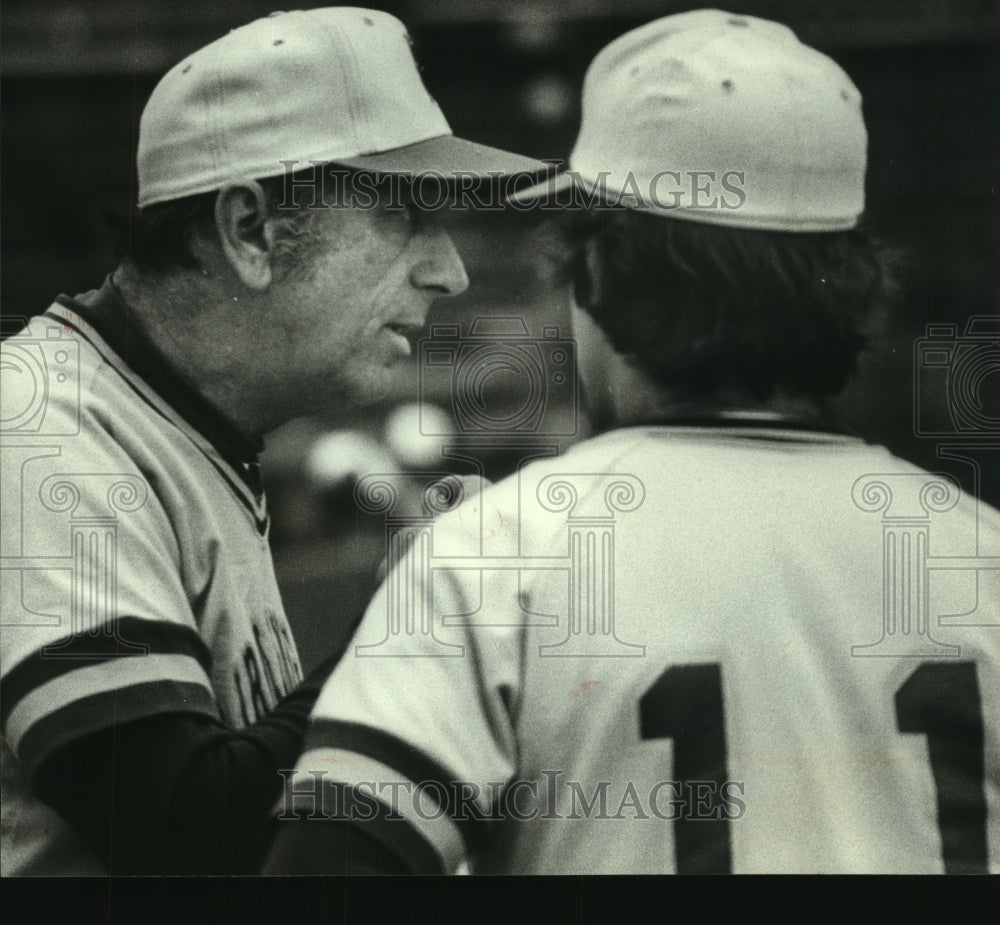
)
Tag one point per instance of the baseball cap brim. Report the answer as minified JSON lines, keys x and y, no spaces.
{"x":446,"y":156}
{"x":547,"y":190}
{"x":544,"y":190}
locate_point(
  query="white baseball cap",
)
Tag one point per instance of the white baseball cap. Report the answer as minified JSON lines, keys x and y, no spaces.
{"x":707,"y":95}
{"x":335,"y":85}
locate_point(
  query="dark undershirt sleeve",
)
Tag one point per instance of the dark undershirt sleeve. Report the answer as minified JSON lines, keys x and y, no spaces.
{"x":330,"y":847}
{"x":176,"y":793}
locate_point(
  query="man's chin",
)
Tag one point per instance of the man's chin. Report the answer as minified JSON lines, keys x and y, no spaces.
{"x":374,"y":390}
{"x":345,"y":395}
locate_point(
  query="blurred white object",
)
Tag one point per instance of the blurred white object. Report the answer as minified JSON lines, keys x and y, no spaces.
{"x":412,"y":445}
{"x":549,"y":98}
{"x":342,"y":455}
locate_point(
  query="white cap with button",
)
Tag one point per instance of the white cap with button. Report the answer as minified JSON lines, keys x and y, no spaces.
{"x":690,"y":99}
{"x":334,"y":85}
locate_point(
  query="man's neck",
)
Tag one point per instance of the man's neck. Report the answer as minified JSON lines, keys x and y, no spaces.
{"x":633,"y":400}
{"x":178,"y":315}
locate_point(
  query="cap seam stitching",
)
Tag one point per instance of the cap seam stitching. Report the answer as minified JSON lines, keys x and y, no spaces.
{"x":349,"y":80}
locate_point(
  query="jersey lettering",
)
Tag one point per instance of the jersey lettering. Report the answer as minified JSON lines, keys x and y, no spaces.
{"x":277,"y":691}
{"x":257,"y":698}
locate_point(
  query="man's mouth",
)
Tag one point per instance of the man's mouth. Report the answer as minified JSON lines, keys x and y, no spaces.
{"x":403,"y":336}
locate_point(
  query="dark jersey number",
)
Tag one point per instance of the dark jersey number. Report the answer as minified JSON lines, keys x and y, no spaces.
{"x":685,"y":704}
{"x":938,"y":700}
{"x":942,"y":702}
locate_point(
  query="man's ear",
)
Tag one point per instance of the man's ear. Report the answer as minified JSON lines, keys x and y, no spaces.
{"x":245,"y":232}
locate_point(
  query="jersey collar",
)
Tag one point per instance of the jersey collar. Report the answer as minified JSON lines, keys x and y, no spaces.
{"x":106,"y":311}
{"x":749,"y":418}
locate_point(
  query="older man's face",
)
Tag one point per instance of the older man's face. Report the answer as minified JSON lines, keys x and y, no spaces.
{"x":341,"y":320}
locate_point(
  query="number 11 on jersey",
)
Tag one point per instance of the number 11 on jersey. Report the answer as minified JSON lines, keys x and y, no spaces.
{"x":938,"y":700}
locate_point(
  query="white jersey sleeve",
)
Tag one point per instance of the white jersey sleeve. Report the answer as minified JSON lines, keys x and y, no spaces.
{"x":425,"y":731}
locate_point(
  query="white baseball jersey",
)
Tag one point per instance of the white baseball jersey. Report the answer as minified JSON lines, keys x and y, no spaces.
{"x":684,"y":649}
{"x":137,"y":576}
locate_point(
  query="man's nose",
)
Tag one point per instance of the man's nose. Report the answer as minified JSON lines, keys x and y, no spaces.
{"x":439,"y":266}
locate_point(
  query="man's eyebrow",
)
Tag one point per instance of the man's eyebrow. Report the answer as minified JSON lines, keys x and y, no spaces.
{"x":400,"y":191}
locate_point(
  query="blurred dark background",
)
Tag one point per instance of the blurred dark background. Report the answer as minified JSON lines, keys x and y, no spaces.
{"x":76,"y":75}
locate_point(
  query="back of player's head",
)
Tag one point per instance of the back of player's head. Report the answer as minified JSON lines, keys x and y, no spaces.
{"x":728,"y":161}
{"x":704,"y":310}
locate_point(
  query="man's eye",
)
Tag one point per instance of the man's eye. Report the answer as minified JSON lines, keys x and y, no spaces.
{"x":413,"y":213}
{"x":416,"y":216}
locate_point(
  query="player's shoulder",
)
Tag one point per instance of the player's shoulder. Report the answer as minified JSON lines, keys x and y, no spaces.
{"x":598,"y":454}
{"x":63,"y":386}
{"x":542,"y":484}
{"x":47,"y":368}
{"x":891,"y":484}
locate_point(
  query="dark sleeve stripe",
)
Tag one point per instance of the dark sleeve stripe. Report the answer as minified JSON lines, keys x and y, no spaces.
{"x":110,"y":708}
{"x":126,"y":637}
{"x":412,"y":764}
{"x":340,"y":807}
{"x":320,"y":836}
{"x":398,"y":836}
